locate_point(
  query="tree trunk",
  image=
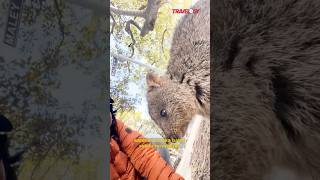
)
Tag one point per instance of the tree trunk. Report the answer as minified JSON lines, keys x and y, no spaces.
{"x":200,"y":158}
{"x":195,"y":160}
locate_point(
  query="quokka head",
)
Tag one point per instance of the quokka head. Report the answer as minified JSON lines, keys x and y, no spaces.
{"x":171,"y":104}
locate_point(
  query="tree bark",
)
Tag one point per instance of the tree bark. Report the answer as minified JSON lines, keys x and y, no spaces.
{"x":149,"y":14}
{"x":195,"y":160}
{"x":200,"y":157}
{"x":134,"y":13}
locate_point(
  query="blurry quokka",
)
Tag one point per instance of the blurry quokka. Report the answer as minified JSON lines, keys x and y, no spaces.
{"x":266,"y":90}
{"x":184,"y":91}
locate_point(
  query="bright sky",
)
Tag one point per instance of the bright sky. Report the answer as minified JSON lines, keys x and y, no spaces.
{"x":135,"y":87}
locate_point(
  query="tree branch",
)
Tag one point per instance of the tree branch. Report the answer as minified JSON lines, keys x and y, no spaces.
{"x":113,"y":23}
{"x":133,"y":23}
{"x":149,"y":14}
{"x":128,"y":30}
{"x":138,"y":13}
{"x":162,"y":39}
{"x":124,"y":58}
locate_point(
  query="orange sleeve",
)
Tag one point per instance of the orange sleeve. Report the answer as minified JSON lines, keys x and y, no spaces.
{"x":146,"y":160}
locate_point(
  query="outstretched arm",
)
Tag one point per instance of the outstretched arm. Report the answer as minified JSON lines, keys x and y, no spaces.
{"x":146,"y":160}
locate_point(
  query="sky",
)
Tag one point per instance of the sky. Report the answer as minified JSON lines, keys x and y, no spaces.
{"x":135,"y":87}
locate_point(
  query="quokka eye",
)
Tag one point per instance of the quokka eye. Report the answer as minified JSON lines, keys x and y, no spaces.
{"x":163,"y":113}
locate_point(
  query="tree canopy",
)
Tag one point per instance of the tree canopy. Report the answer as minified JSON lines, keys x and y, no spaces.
{"x":128,"y":86}
{"x":50,"y":87}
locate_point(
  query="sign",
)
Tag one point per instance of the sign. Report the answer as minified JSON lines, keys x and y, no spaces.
{"x":12,"y":28}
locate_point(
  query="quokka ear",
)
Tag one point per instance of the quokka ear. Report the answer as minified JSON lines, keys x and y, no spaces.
{"x":153,"y":81}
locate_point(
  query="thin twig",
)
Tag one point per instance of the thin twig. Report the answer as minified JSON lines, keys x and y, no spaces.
{"x":163,"y":39}
{"x":129,"y":31}
{"x":113,"y":24}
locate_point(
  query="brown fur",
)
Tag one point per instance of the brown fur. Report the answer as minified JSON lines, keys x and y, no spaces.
{"x":185,"y":89}
{"x":266,"y":84}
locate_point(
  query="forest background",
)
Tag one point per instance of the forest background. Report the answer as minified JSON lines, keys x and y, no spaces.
{"x":53,"y":83}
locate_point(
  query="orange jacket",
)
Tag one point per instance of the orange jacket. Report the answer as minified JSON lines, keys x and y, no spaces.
{"x":128,"y":161}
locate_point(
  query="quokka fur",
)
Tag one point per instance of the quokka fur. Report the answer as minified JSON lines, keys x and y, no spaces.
{"x":266,"y":88}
